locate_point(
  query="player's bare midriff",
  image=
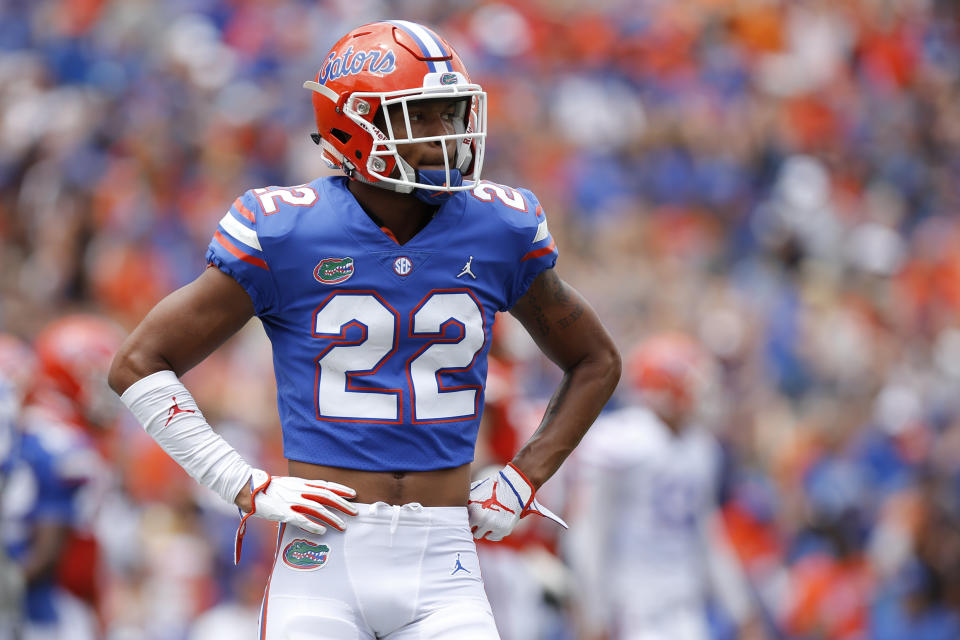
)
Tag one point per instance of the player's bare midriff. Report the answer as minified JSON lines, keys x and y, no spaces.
{"x":439,"y":488}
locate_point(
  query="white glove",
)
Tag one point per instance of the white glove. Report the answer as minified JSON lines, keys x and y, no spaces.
{"x":498,"y":501}
{"x":300,"y":502}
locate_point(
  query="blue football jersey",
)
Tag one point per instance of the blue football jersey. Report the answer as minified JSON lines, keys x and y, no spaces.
{"x":380,"y":349}
{"x":44,"y":483}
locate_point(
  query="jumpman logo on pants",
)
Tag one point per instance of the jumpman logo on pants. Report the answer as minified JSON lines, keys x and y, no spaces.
{"x":459,"y":567}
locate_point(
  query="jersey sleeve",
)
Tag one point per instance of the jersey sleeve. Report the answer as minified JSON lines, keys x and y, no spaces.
{"x":236,"y":250}
{"x":539,"y":252}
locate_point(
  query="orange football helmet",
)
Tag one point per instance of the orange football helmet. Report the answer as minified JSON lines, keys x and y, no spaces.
{"x":74,"y":355}
{"x":670,"y":371}
{"x":394,"y":64}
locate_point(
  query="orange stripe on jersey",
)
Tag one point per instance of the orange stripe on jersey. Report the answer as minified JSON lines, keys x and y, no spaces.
{"x":229,"y":246}
{"x":246,"y":213}
{"x":266,"y":594}
{"x":536,"y":253}
{"x":389,"y":234}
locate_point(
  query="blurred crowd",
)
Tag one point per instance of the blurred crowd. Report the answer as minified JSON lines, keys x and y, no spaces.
{"x":780,"y":179}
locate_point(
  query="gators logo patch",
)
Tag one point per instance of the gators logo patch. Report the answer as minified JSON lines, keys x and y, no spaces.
{"x":304,"y":555}
{"x":333,"y":270}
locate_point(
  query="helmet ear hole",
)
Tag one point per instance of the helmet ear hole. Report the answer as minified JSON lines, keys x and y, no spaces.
{"x":341,"y":135}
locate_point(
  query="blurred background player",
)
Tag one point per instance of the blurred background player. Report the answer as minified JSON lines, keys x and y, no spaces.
{"x":17,"y":368}
{"x":647,"y":546}
{"x":58,"y":476}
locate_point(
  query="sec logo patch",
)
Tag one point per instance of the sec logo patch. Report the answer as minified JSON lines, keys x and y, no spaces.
{"x":402,"y":266}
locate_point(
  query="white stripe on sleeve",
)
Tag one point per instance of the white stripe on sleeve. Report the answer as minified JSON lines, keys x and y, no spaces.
{"x":542,"y":232}
{"x":238,"y":231}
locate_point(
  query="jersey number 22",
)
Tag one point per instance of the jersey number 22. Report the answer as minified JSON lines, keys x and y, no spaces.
{"x":341,"y":366}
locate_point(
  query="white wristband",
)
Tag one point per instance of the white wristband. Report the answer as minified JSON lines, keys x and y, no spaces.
{"x":170,"y":415}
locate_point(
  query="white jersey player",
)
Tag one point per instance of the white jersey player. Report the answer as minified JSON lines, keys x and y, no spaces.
{"x":645,"y":545}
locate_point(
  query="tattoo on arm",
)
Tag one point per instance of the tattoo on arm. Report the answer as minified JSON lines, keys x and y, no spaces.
{"x":555,"y":401}
{"x":571,"y":317}
{"x":538,"y":315}
{"x":550,"y":303}
{"x":557,"y":287}
{"x":561,"y":296}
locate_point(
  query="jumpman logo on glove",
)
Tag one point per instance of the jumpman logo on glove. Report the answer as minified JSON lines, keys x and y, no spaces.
{"x":492,"y":502}
{"x":499,"y":500}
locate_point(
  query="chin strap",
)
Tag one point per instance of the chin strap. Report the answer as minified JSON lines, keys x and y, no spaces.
{"x":432,"y":177}
{"x":437,"y":178}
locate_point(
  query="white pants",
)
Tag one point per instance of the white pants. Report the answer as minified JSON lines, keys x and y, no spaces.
{"x":398,"y":573}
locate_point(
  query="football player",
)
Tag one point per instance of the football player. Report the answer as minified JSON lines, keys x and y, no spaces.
{"x":646,"y":545}
{"x":58,"y":476}
{"x":378,"y":290}
{"x":17,"y":366}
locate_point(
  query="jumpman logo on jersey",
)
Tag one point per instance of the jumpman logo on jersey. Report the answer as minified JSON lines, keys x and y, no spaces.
{"x":459,"y":567}
{"x":466,"y":269}
{"x":174,"y":410}
{"x":492,"y":503}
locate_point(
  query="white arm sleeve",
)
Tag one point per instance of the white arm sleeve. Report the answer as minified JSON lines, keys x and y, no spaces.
{"x":170,"y":415}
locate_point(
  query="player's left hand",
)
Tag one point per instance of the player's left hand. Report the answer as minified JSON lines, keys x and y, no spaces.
{"x":498,"y":502}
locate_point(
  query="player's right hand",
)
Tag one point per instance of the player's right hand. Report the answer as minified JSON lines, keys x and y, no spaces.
{"x":308,"y":504}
